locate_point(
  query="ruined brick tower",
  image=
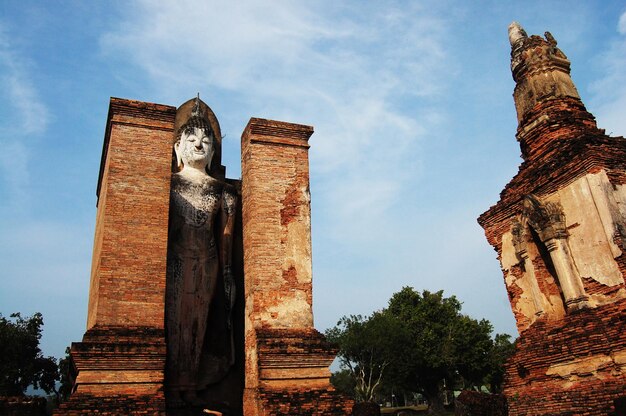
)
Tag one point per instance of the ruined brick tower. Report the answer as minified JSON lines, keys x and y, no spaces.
{"x":281,"y":363}
{"x":560,"y":233}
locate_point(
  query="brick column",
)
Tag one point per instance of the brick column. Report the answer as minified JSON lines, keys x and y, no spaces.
{"x":122,"y":354}
{"x":130,"y":245}
{"x":287,"y":360}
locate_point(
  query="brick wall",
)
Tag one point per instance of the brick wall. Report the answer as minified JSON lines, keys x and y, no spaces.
{"x":573,"y":367}
{"x":286,"y":359}
{"x":130,"y":247}
{"x":277,"y":224}
{"x":119,"y":365}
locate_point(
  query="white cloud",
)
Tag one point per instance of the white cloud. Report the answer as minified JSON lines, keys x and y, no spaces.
{"x":32,"y":114}
{"x":225,"y":44}
{"x":347,"y":74}
{"x":27,"y":118}
{"x":621,"y":25}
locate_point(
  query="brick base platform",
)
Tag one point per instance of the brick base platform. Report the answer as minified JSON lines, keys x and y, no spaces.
{"x":120,"y":371}
{"x":113,"y":405}
{"x":22,"y":406}
{"x":575,"y":368}
{"x":293,"y":368}
{"x":305,"y":402}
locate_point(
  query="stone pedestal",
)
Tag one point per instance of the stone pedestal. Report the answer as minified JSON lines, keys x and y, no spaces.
{"x":287,"y":360}
{"x":119,"y":365}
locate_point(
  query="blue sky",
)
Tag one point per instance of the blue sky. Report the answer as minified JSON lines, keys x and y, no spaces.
{"x":414,"y":129}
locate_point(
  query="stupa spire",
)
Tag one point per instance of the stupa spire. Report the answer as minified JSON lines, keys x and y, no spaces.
{"x":545,"y":94}
{"x":516,"y":33}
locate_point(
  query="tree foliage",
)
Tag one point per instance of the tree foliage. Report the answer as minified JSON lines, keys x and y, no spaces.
{"x":502,"y":350}
{"x":64,"y":372}
{"x":420,"y":343}
{"x":472,"y":346}
{"x":366,"y":349}
{"x":343,"y":381}
{"x":22,"y":363}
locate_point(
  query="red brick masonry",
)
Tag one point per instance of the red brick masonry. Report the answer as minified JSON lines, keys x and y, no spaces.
{"x":582,"y":334}
{"x":573,"y":363}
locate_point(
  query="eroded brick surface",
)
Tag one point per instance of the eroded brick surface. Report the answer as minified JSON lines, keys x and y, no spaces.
{"x":304,"y":402}
{"x":114,"y":404}
{"x":571,"y":355}
{"x":287,"y":360}
{"x":574,"y":367}
{"x":119,"y":365}
{"x":130,"y":245}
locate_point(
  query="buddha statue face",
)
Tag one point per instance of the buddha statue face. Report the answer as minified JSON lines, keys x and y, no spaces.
{"x":195,"y":148}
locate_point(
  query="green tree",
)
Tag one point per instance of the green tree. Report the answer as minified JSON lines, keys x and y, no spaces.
{"x":22,"y":363}
{"x":367,"y":347}
{"x":64,"y":371}
{"x":429,"y":356}
{"x":420,"y":343}
{"x":343,"y":381}
{"x":445,"y":347}
{"x":472,"y":345}
{"x":502,"y":350}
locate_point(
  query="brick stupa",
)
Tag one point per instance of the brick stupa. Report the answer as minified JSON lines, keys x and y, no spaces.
{"x":560,"y":233}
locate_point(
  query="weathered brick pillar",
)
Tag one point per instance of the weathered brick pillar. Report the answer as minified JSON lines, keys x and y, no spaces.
{"x":287,"y":360}
{"x":122,"y":355}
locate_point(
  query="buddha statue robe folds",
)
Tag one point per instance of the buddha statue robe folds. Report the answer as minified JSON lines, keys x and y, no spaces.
{"x":202,"y":210}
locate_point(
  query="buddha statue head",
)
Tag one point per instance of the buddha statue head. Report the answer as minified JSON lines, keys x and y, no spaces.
{"x":195,"y":141}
